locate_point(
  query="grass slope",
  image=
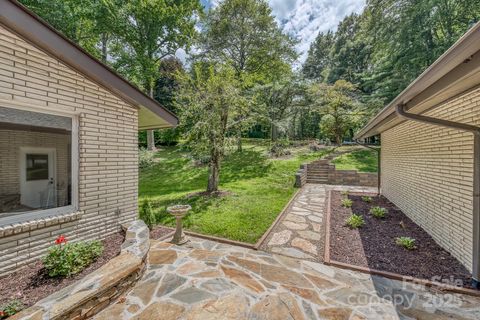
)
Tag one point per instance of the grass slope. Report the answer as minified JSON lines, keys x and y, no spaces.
{"x":364,"y":160}
{"x":260,"y":188}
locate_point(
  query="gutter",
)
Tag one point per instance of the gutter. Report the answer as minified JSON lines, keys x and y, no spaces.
{"x":400,"y":110}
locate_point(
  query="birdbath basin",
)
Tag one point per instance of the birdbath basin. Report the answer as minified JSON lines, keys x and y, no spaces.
{"x":179,"y":211}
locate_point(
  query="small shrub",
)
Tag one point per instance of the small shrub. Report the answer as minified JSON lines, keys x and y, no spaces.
{"x":145,"y":158}
{"x":344,"y":193}
{"x":367,"y":199}
{"x":146,"y":213}
{"x":315,"y":147}
{"x":378,"y":212}
{"x":406,"y":242}
{"x":11,"y":308}
{"x":280,"y":148}
{"x":355,"y":221}
{"x":347,"y":203}
{"x":66,"y":259}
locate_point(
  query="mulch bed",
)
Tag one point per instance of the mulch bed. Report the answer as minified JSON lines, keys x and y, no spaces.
{"x":160,"y":231}
{"x":30,"y":284}
{"x":373,"y":245}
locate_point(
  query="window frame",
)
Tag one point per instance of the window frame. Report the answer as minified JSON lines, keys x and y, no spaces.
{"x":28,"y":216}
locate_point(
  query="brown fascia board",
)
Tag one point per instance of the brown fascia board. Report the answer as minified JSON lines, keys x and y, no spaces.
{"x":460,"y":52}
{"x":33,"y":29}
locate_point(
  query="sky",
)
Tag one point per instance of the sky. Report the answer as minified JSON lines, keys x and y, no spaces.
{"x":304,"y":19}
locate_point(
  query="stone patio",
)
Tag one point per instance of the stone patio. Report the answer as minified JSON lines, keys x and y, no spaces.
{"x":300,"y":232}
{"x":210,"y":280}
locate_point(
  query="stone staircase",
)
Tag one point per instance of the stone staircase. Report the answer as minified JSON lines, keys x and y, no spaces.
{"x":322,"y":171}
{"x":317,"y":171}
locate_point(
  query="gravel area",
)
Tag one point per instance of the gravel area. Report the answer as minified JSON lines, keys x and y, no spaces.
{"x":373,"y":245}
{"x":31,"y":283}
{"x":160,"y":231}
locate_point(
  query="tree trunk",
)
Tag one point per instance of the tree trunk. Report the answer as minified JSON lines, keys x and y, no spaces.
{"x":274,"y":132}
{"x":151,"y":133}
{"x":104,"y":42}
{"x":214,"y":173}
{"x":151,"y":140}
{"x":239,"y":140}
{"x":338,"y":139}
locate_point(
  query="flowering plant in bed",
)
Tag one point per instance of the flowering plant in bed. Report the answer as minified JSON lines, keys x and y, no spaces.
{"x":11,"y":308}
{"x":65,"y":259}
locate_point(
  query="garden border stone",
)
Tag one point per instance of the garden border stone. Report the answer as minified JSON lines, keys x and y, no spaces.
{"x":100,"y":288}
{"x":390,"y":275}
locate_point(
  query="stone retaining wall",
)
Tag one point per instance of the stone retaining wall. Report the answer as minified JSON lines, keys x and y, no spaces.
{"x":301,"y":176}
{"x":100,"y":288}
{"x":351,"y":177}
{"x":339,"y":177}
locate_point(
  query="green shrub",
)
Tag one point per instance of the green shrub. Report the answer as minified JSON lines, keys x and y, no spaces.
{"x":11,"y":308}
{"x":146,"y":213}
{"x":280,"y":148}
{"x":406,"y":242}
{"x":145,"y":158}
{"x":344,"y":193}
{"x":367,"y":199}
{"x":347,"y":203}
{"x":355,"y":221}
{"x":66,"y":259}
{"x":378,"y":212}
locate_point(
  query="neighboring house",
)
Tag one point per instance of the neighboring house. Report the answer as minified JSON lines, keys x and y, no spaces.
{"x":430,"y":156}
{"x":68,"y":140}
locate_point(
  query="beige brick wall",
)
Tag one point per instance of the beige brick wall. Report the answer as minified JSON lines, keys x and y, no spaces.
{"x":108,"y":170}
{"x":427,"y":171}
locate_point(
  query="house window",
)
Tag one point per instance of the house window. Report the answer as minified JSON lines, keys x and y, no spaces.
{"x":36,"y":178}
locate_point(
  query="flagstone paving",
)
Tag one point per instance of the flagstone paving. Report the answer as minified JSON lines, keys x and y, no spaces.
{"x":209,"y":280}
{"x":300,"y":233}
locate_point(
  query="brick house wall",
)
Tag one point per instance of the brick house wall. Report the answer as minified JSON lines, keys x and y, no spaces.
{"x":108,"y":154}
{"x":427,"y":171}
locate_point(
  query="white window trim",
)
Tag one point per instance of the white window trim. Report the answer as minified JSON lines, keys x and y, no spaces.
{"x":75,"y":158}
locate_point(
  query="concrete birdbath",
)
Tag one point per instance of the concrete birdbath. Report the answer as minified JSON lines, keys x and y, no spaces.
{"x":179,"y":211}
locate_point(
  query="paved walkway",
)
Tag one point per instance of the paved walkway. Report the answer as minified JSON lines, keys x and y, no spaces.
{"x":300,"y":233}
{"x":209,"y":280}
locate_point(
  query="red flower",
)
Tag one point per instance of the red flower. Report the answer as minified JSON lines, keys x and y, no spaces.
{"x":2,"y":313}
{"x":61,"y":239}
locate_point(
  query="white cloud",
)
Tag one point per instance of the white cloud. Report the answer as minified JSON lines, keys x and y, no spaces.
{"x":304,"y":19}
{"x":309,"y":17}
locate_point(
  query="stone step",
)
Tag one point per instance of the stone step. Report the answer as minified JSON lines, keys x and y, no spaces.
{"x":317,"y":181}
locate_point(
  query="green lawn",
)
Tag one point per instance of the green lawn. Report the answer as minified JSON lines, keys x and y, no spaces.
{"x":364,"y":160}
{"x":260,"y":188}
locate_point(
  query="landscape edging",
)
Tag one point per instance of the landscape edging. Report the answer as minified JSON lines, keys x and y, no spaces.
{"x":386,"y":274}
{"x":276,"y":221}
{"x":102,"y":287}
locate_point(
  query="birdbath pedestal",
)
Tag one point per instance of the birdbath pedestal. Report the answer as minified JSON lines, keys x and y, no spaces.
{"x":179,"y":211}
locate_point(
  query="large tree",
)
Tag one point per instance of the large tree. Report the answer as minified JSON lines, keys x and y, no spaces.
{"x":339,"y":107}
{"x":74,"y":18}
{"x":277,"y":102}
{"x":317,"y":64}
{"x":151,"y":30}
{"x":209,"y":100}
{"x":244,"y":35}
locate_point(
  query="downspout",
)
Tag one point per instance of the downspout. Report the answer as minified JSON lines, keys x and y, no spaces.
{"x":379,"y":167}
{"x":400,"y":110}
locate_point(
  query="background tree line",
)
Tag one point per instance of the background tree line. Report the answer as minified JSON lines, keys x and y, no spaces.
{"x":241,"y":79}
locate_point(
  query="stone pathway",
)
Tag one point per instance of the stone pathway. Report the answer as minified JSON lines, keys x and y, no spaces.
{"x":209,"y":280}
{"x":300,"y":233}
